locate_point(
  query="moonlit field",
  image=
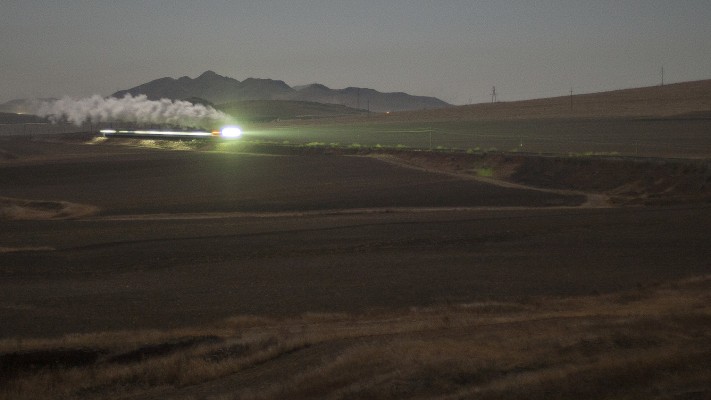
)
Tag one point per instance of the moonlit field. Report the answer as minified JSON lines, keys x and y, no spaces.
{"x":341,"y":200}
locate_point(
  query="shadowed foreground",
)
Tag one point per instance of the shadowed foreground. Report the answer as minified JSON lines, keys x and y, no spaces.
{"x":136,"y":274}
{"x":648,"y":343}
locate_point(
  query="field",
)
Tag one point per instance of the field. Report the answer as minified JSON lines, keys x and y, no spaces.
{"x":661,"y":121}
{"x":667,"y":137}
{"x":263,"y":269}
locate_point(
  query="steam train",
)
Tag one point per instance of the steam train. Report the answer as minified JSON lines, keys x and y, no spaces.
{"x":227,"y":132}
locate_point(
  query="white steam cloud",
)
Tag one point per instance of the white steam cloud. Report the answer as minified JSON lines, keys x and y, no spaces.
{"x":137,"y":109}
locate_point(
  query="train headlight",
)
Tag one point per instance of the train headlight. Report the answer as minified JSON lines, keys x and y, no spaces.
{"x":230,"y":132}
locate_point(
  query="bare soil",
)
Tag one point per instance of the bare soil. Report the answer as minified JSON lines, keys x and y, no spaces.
{"x":185,"y":237}
{"x":624,"y":180}
{"x":301,"y":272}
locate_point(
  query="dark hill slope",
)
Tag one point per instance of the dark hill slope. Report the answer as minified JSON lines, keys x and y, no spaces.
{"x":220,"y":89}
{"x":686,"y":99}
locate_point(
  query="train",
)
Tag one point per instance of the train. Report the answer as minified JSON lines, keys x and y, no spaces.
{"x":226,"y":132}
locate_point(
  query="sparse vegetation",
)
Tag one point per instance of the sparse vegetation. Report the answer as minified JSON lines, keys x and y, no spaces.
{"x":595,"y":154}
{"x":486,"y":172}
{"x":539,"y":135}
{"x":653,"y":342}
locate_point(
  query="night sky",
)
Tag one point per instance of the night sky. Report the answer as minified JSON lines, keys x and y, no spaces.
{"x":454,"y":50}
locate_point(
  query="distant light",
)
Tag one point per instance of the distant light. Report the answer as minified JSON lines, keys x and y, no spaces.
{"x":231,"y":132}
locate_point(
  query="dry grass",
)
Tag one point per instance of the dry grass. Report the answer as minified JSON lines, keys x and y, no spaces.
{"x":650,"y":343}
{"x":679,"y":99}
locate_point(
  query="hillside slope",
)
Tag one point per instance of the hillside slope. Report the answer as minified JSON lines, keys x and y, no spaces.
{"x":687,"y":99}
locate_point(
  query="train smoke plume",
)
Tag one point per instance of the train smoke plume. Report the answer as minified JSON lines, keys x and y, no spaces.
{"x":129,"y":109}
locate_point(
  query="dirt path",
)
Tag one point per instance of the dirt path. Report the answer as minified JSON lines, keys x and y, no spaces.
{"x":594,"y":200}
{"x":22,"y":209}
{"x":330,"y":212}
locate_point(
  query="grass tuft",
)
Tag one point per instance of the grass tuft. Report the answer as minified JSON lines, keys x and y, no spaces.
{"x":653,"y":345}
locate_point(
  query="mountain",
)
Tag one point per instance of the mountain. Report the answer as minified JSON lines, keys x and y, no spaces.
{"x":318,"y":93}
{"x":219,"y":89}
{"x":363,"y":98}
{"x":20,"y":106}
{"x":14,"y":118}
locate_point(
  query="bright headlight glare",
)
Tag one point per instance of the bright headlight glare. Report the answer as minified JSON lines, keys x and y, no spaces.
{"x":231,"y":132}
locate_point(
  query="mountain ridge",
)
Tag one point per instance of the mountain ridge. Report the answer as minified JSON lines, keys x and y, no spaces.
{"x":690,"y":99}
{"x":219,"y":89}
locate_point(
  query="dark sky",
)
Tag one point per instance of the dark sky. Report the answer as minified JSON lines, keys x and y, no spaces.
{"x":455,"y":50}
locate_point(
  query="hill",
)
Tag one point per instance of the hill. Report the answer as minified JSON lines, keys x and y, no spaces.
{"x":20,"y":106}
{"x":686,"y":99}
{"x":14,"y":118}
{"x":220,"y":89}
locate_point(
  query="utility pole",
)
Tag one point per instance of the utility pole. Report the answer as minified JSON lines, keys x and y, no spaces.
{"x":571,"y":98}
{"x":662,"y":76}
{"x":493,"y":94}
